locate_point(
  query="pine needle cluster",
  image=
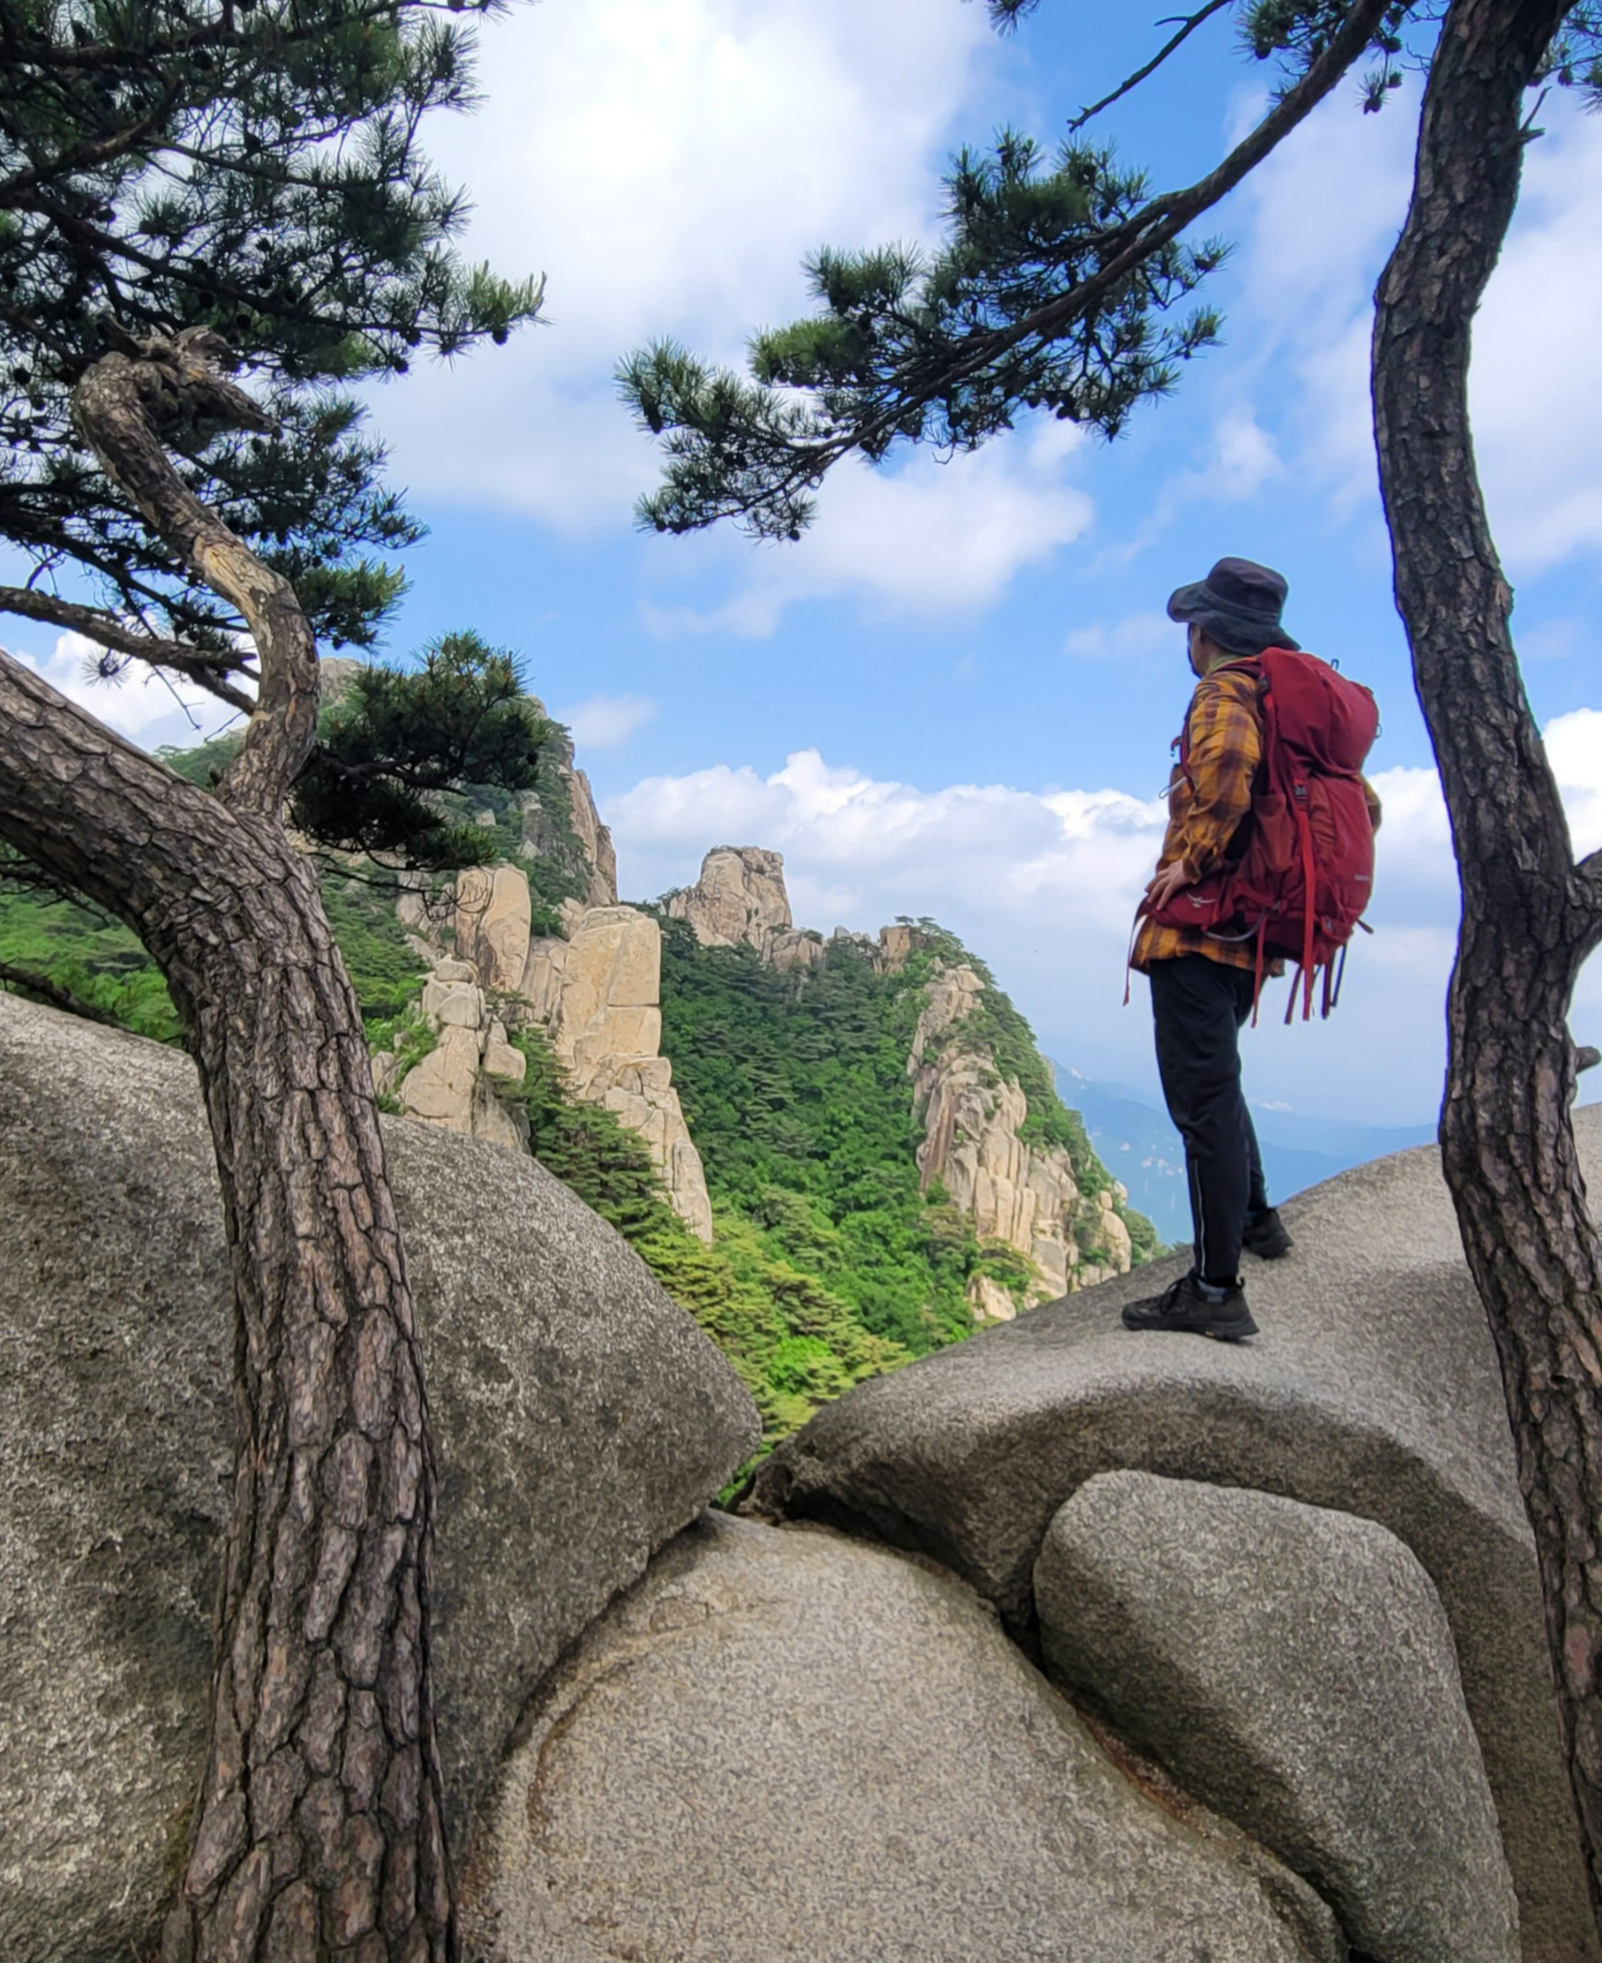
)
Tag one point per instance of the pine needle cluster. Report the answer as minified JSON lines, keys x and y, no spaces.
{"x":1063,"y":285}
{"x":400,"y":745}
{"x":251,"y":167}
{"x":930,"y":348}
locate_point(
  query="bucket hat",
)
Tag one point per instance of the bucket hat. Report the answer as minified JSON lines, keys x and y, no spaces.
{"x":1237,"y":605}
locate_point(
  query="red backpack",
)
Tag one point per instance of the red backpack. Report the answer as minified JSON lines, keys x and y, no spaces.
{"x":1303,"y":880}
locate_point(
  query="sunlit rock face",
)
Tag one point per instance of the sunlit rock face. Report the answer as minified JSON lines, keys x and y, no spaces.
{"x":595,"y":990}
{"x":1025,"y":1197}
{"x":580,"y":1419}
{"x":739,"y":900}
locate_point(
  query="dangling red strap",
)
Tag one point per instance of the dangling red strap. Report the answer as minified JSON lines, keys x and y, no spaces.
{"x":1309,"y":901}
{"x":1257,"y":979}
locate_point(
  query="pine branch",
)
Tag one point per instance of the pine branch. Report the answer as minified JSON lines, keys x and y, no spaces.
{"x":1188,"y":26}
{"x":253,"y":170}
{"x":120,"y":407}
{"x":1587,"y":880}
{"x":57,"y":997}
{"x":205,"y":669}
{"x":81,"y":157}
{"x":976,"y":345}
{"x":1006,"y":14}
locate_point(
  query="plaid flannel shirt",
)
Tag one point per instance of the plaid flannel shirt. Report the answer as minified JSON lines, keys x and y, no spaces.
{"x":1205,"y":805}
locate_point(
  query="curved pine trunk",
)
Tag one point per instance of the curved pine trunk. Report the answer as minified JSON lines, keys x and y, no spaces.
{"x":318,"y":1832}
{"x":1530,"y":916}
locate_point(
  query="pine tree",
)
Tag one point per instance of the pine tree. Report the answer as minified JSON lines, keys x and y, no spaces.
{"x":1057,"y":291}
{"x":253,"y":170}
{"x":189,"y":190}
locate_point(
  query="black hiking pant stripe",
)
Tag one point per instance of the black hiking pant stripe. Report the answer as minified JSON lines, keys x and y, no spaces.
{"x":1199,"y":1007}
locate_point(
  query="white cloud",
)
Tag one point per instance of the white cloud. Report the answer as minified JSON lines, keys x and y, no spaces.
{"x":1336,"y":416}
{"x":1134,"y":637}
{"x":1312,"y":224}
{"x":1331,"y":197}
{"x":603,"y":722}
{"x":996,"y":864}
{"x":668,"y":167}
{"x":1536,"y":382}
{"x":148,"y":708}
{"x":1043,"y":887}
{"x":1320,"y":218}
{"x":1239,"y":458}
{"x":928,"y":539}
{"x":1416,"y":837}
{"x":1574,"y":747}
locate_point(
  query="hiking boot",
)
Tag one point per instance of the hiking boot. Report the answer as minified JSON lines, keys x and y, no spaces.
{"x":1265,"y":1235}
{"x":1193,"y":1307}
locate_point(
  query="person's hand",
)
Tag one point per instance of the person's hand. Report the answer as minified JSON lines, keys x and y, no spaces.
{"x":1169,"y":881}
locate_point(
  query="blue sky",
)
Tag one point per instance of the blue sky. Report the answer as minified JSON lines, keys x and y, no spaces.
{"x":955,"y":697}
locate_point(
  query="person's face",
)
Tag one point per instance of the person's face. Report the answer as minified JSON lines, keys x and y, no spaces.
{"x":1196,"y":648}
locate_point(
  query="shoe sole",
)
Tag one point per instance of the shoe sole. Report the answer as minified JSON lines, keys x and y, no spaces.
{"x":1276,"y":1253}
{"x":1218,"y":1332}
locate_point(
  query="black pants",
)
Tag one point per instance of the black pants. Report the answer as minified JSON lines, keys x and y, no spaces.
{"x":1199,"y":1006}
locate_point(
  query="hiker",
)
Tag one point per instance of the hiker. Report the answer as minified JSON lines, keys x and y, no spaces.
{"x":1205,"y":978}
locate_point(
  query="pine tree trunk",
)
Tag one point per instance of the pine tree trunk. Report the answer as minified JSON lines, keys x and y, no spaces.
{"x":318,"y":1833}
{"x":319,"y":1828}
{"x":1530,"y":916}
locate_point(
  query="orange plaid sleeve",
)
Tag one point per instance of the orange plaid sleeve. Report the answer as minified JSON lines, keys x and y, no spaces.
{"x":1205,"y":805}
{"x":1208,"y":802}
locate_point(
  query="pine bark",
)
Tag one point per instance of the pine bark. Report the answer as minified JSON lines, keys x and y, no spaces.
{"x":318,"y":1832}
{"x":1530,"y":915}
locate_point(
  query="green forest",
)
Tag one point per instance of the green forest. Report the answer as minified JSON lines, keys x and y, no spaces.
{"x":795,"y":1087}
{"x":829,"y":1263}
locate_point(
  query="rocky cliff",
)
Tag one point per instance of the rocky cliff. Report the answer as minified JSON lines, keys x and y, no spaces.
{"x":566,"y":825}
{"x":999,"y":1152}
{"x":1027,"y":1197}
{"x":594,"y":989}
{"x":740,"y":900}
{"x":540,"y":940}
{"x":598,"y":995}
{"x":1047,"y":1219}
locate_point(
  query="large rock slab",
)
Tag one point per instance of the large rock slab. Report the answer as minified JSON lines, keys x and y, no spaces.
{"x":1373,"y":1389}
{"x":581,"y":1419}
{"x":787,"y":1745}
{"x":1292,"y":1667}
